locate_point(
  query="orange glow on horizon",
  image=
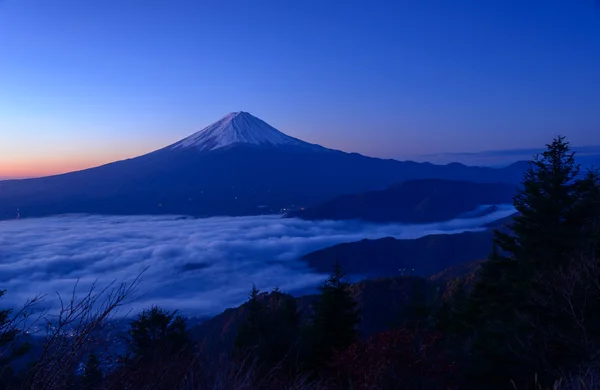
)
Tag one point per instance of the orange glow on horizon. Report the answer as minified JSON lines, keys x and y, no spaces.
{"x":46,"y":167}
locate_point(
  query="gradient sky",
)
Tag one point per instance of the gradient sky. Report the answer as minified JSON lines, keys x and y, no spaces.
{"x":88,"y":82}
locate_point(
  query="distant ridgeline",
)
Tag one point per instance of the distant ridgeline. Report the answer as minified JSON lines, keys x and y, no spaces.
{"x":415,"y":201}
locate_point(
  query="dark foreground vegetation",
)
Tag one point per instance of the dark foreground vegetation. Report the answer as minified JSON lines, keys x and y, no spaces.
{"x":529,"y":318}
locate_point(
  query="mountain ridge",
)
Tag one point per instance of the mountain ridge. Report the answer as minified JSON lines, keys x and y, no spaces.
{"x":413,"y":201}
{"x":391,"y":257}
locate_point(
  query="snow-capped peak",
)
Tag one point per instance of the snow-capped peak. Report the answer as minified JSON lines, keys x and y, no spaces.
{"x":238,"y":128}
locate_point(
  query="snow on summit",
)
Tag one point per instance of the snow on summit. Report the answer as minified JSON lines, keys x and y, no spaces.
{"x":238,"y":128}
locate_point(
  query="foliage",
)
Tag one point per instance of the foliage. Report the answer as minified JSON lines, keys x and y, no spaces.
{"x":9,"y":349}
{"x":8,"y":336}
{"x":334,"y":321}
{"x":517,"y":319}
{"x":157,"y":334}
{"x":250,"y":334}
{"x":14,"y":325}
{"x":73,"y":332}
{"x":270,"y":329}
{"x":418,"y":312}
{"x":92,"y":375}
{"x":400,"y":358}
{"x":558,"y":211}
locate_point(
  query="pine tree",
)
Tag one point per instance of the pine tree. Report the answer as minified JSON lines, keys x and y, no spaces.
{"x":588,"y":210}
{"x":558,"y":213}
{"x":547,"y":225}
{"x":554,"y":210}
{"x":10,"y":349}
{"x":282,"y":338}
{"x":92,"y":375}
{"x":335,"y":317}
{"x":158,"y":334}
{"x":249,"y":334}
{"x":417,"y":313}
{"x":270,"y":328}
{"x":7,"y":333}
{"x":450,"y":315}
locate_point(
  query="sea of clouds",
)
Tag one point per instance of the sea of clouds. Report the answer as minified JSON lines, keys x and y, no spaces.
{"x":199,"y":266}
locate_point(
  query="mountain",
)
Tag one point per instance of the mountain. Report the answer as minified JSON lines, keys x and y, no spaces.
{"x":237,"y":166}
{"x":415,"y":201}
{"x":437,"y":256}
{"x":388,"y":257}
{"x":502,"y":223}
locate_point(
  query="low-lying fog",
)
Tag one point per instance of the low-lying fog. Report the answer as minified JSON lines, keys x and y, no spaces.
{"x":200,"y":266}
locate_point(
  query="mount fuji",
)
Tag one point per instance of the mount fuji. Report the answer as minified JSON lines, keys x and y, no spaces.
{"x":240,"y":128}
{"x":239,"y":165}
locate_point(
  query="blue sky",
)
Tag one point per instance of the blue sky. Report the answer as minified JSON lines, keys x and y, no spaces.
{"x":87,"y":82}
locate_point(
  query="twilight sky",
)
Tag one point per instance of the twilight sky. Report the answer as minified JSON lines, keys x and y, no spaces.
{"x":88,"y":82}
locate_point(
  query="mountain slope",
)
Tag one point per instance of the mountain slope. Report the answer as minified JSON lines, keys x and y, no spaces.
{"x":438,"y":256}
{"x":236,"y":167}
{"x":391,"y":257}
{"x":414,"y":201}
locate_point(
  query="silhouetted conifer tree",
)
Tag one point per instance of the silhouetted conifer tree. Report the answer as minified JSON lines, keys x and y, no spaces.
{"x":10,"y":349}
{"x":417,"y":313}
{"x":250,"y":333}
{"x":157,"y":334}
{"x":558,"y":216}
{"x":334,"y":321}
{"x":549,"y":222}
{"x":92,"y":375}
{"x":270,"y":329}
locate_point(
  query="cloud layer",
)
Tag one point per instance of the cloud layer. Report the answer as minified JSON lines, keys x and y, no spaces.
{"x":200,"y":266}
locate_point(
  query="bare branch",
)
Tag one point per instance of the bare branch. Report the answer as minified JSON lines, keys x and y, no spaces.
{"x":71,"y":332}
